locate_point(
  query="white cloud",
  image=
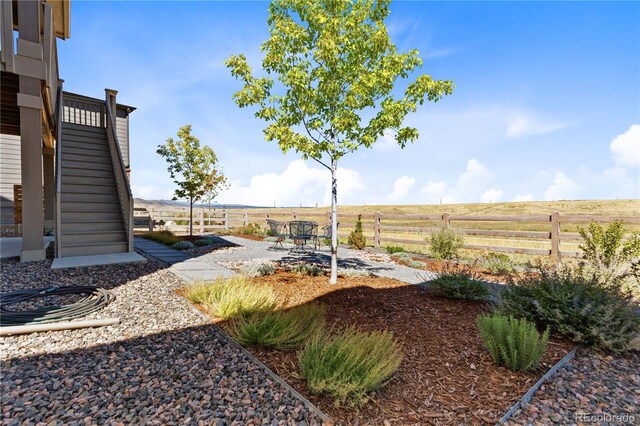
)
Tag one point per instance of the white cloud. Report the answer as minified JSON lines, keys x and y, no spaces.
{"x":297,"y":184}
{"x":401,"y":187}
{"x":491,"y":196}
{"x":523,"y":197}
{"x":151,"y":192}
{"x":625,"y":148}
{"x":526,"y":123}
{"x":475,"y":175}
{"x":386,"y":143}
{"x":562,"y":188}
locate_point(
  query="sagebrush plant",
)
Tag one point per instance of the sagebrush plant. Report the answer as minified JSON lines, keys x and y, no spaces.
{"x":308,"y":269}
{"x":498,"y":263}
{"x":165,"y":237}
{"x":460,"y":285}
{"x":513,"y":342}
{"x":203,"y":242}
{"x":233,"y":297}
{"x":257,"y":269}
{"x":183,"y":245}
{"x":350,"y":364}
{"x":283,"y":330}
{"x":574,"y":302}
{"x":249,"y":229}
{"x":357,"y":240}
{"x":394,"y":249}
{"x":354,"y":273}
{"x":446,"y":243}
{"x":607,"y":247}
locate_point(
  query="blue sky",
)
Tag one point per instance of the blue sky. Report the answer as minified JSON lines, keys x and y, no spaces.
{"x":547,"y":104}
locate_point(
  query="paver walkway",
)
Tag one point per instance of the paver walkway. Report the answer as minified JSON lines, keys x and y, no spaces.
{"x":211,"y":265}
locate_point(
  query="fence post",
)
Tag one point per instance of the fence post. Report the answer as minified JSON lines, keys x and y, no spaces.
{"x":376,"y":230}
{"x":555,"y":236}
{"x":226,"y":218}
{"x":446,"y":222}
{"x":202,"y":221}
{"x":294,"y":215}
{"x":245,"y":220}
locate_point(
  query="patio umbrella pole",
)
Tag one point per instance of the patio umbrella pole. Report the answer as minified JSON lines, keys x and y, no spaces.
{"x":56,"y":326}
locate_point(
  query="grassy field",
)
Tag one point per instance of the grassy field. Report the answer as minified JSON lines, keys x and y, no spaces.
{"x":626,"y":208}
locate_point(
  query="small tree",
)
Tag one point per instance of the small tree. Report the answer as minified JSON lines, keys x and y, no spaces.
{"x":357,"y":240}
{"x":337,"y":67}
{"x":193,"y":168}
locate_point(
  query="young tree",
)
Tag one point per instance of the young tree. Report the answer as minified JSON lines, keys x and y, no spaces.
{"x":337,"y":69}
{"x":193,"y":168}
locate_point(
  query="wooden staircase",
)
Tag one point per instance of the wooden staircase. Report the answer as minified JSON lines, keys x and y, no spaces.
{"x":94,"y":198}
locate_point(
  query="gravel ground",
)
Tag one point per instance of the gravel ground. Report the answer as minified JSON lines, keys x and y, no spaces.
{"x":162,"y":364}
{"x":592,"y":383}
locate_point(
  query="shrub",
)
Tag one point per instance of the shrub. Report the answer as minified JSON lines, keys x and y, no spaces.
{"x":280,"y":330}
{"x":349,"y":365}
{"x":606,"y":247}
{"x":249,"y":229}
{"x":257,"y":268}
{"x":165,"y":237}
{"x":308,"y":269}
{"x":394,"y":249}
{"x":415,"y":263}
{"x":357,"y":240}
{"x":234,"y":297}
{"x":498,"y":263}
{"x":459,"y":285}
{"x":203,"y":242}
{"x":183,"y":245}
{"x":403,"y":255}
{"x":354,"y":273}
{"x":512,"y":342}
{"x":446,"y":243}
{"x":580,"y":305}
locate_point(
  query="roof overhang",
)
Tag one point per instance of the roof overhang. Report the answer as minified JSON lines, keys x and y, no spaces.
{"x":61,"y":17}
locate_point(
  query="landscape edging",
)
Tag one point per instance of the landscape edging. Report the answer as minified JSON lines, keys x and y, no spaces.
{"x":269,"y":372}
{"x":529,"y":395}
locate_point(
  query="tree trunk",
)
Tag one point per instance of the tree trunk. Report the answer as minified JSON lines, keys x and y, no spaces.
{"x":334,"y":223}
{"x":191,"y":217}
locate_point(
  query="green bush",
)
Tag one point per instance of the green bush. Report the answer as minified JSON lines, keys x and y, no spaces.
{"x":357,"y":240}
{"x":403,"y":255}
{"x":354,"y":273}
{"x":234,"y":297}
{"x":498,"y":263}
{"x":582,"y":306}
{"x":280,"y":330}
{"x":165,"y":237}
{"x":257,"y":268}
{"x":394,"y":249}
{"x":415,"y":263}
{"x":203,"y":242}
{"x":249,"y":229}
{"x":459,"y":285}
{"x":183,"y":245}
{"x":512,"y":342}
{"x":446,"y":243}
{"x":349,"y":365}
{"x":607,"y":247}
{"x":308,"y":269}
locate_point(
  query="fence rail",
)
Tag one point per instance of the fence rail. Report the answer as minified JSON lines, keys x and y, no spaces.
{"x":544,"y":239}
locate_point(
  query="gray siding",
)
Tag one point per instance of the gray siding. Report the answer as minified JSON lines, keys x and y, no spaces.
{"x":122,"y":131}
{"x":9,"y":174}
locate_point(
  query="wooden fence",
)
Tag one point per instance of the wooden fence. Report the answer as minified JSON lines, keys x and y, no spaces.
{"x":546,"y":235}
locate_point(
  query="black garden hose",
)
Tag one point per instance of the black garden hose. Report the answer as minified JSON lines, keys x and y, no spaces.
{"x":95,"y":299}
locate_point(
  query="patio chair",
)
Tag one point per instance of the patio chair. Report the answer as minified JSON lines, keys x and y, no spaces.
{"x":279,"y":231}
{"x":301,"y":231}
{"x":324,"y":235}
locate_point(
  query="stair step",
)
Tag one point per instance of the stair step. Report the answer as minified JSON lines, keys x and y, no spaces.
{"x":80,"y":129}
{"x":72,"y":238}
{"x":90,"y":164}
{"x":66,"y":171}
{"x":84,"y":158}
{"x":85,"y":152}
{"x":82,"y":197}
{"x":94,"y":248}
{"x":90,"y":206}
{"x":89,"y":189}
{"x":88,"y":180}
{"x":78,"y":144}
{"x":105,"y":225}
{"x":95,"y":216}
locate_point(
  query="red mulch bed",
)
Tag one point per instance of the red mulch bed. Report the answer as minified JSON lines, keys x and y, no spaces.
{"x":446,"y":376}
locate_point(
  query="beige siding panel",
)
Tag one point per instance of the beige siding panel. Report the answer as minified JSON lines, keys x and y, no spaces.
{"x":9,"y":175}
{"x":123,"y":135}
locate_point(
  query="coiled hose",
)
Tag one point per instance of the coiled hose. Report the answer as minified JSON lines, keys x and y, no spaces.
{"x":96,"y":299}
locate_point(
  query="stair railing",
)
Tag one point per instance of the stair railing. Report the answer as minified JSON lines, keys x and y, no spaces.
{"x":122,"y":181}
{"x":58,"y":178}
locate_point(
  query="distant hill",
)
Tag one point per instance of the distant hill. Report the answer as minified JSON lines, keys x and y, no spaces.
{"x":140,"y":202}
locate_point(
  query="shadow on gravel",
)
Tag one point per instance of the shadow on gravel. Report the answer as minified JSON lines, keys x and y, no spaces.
{"x":180,"y":376}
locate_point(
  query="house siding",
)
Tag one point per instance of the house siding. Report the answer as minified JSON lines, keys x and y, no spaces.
{"x":10,"y":167}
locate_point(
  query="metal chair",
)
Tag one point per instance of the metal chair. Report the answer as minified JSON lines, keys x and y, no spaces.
{"x":279,"y":231}
{"x":301,"y":231}
{"x":325,"y":235}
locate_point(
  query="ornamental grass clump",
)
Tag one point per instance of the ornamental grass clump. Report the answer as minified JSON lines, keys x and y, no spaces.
{"x":308,"y":269}
{"x":349,"y":365}
{"x":233,"y":297}
{"x":183,"y":245}
{"x":459,"y":285}
{"x":574,"y":302}
{"x":283,"y":330}
{"x":512,"y":342}
{"x":165,"y":237}
{"x":257,"y":268}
